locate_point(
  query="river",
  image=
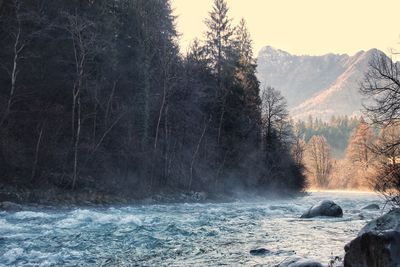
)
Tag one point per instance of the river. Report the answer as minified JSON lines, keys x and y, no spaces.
{"x":181,"y":234}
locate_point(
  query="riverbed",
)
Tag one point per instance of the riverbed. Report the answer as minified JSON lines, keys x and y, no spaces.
{"x":182,"y":234}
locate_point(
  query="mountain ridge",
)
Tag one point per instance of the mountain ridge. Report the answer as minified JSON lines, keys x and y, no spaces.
{"x":321,"y":86}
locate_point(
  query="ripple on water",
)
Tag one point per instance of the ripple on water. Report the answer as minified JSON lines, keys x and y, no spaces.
{"x":181,"y":235}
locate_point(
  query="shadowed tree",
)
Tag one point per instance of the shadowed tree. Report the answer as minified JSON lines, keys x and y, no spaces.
{"x":298,"y":149}
{"x":83,"y":40}
{"x":220,"y":56}
{"x":245,"y":76}
{"x":219,"y":40}
{"x":274,"y":116}
{"x":20,"y":23}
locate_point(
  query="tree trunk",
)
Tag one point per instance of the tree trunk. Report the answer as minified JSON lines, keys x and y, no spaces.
{"x":160,"y":114}
{"x":18,"y":47}
{"x":35,"y":163}
{"x":146,"y":108}
{"x":76,"y":145}
{"x":221,"y":119}
{"x":195,"y":154}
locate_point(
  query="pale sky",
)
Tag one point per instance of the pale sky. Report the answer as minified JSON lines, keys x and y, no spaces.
{"x":312,"y":27}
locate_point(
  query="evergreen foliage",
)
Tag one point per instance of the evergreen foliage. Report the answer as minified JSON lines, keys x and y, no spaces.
{"x":337,"y":131}
{"x":95,"y":94}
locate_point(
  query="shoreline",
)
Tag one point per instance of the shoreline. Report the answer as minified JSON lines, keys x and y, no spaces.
{"x":314,"y":190}
{"x":67,"y":199}
{"x":56,"y":198}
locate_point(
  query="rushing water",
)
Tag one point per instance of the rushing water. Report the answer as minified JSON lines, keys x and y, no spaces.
{"x":182,"y":234}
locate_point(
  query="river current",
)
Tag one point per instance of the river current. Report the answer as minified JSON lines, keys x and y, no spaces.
{"x":182,"y":234}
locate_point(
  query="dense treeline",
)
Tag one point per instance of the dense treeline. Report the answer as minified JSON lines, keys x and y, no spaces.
{"x":337,"y":131}
{"x":350,"y":171}
{"x":94,"y":94}
{"x":337,"y":154}
{"x":371,"y":159}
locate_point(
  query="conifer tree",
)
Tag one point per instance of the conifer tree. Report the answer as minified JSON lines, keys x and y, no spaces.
{"x":245,"y":76}
{"x":219,"y":40}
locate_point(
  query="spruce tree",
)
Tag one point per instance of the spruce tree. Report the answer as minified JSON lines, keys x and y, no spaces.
{"x":219,"y":40}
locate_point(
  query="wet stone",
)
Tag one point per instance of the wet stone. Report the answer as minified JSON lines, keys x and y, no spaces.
{"x":371,"y":207}
{"x":259,"y":251}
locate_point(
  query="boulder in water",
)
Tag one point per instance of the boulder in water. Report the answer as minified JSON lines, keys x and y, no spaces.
{"x":377,"y":244}
{"x":298,"y":262}
{"x":371,"y":207}
{"x":324,"y":208}
{"x":387,"y":222}
{"x":259,"y":251}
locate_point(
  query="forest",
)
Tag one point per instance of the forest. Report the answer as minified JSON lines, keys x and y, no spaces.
{"x":344,"y":153}
{"x":358,"y":153}
{"x":119,"y":147}
{"x":95,"y":96}
{"x":337,"y":131}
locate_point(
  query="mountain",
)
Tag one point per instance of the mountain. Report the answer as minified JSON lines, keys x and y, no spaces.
{"x":321,"y":86}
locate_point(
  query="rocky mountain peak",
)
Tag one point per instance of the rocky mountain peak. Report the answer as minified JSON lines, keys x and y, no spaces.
{"x":321,"y":86}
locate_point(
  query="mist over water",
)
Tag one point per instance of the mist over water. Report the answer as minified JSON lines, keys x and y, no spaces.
{"x":182,"y":234}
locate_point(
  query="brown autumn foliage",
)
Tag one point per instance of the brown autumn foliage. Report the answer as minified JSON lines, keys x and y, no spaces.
{"x":382,"y":86}
{"x":386,"y":181}
{"x":352,"y":172}
{"x":359,"y":164}
{"x":318,"y":161}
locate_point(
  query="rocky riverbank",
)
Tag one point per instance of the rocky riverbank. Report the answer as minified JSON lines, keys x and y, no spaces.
{"x":376,"y":245}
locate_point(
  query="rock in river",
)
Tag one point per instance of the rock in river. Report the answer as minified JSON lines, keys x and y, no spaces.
{"x":324,"y":208}
{"x":377,"y":244}
{"x":371,"y":207}
{"x":259,"y":251}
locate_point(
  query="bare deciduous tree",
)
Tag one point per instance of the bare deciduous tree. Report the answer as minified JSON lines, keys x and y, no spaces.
{"x":21,"y":38}
{"x":382,"y":86}
{"x":319,"y":161}
{"x":274,"y":115}
{"x":83,"y":39}
{"x":298,"y":150}
{"x":193,"y":161}
{"x":37,"y":150}
{"x":360,"y":145}
{"x":387,"y":180}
